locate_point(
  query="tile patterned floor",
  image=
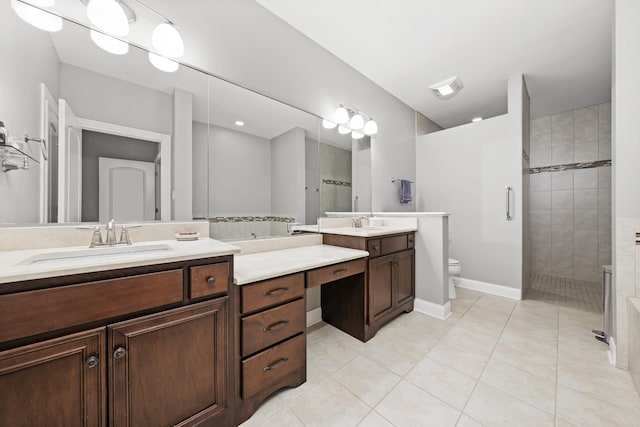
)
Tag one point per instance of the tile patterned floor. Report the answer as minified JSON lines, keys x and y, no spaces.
{"x":579,"y":294}
{"x":494,"y":362}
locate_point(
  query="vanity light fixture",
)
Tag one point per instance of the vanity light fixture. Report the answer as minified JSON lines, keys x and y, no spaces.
{"x":328,"y":124}
{"x":163,"y":64}
{"x":476,"y":119}
{"x":352,"y":119}
{"x":108,"y":16}
{"x":357,"y":135}
{"x":39,"y":18}
{"x":108,"y":43}
{"x":167,"y":40}
{"x":239,"y":123}
{"x":447,"y":88}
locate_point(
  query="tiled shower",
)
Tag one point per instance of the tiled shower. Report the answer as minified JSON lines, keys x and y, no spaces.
{"x":570,"y":193}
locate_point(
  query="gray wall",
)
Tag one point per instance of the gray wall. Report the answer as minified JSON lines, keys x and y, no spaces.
{"x":200,"y":172}
{"x":239,"y":173}
{"x":181,"y":155}
{"x":20,"y":107}
{"x":312,"y":181}
{"x":288,"y":174}
{"x":571,"y":210}
{"x":95,"y":145}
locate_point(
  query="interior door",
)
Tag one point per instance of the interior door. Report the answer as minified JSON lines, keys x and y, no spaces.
{"x":126,"y":190}
{"x":69,"y":165}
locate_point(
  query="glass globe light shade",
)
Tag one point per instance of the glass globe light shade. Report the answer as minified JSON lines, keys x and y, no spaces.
{"x":328,"y":124}
{"x":38,"y":18}
{"x":108,"y":16}
{"x":357,"y":135}
{"x":370,"y":128}
{"x":341,"y":116}
{"x":109,"y":43}
{"x":163,"y":64}
{"x":343,"y":130}
{"x":356,"y":122}
{"x":167,"y":40}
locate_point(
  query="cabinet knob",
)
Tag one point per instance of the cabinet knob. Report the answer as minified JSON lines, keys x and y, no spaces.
{"x":91,"y":362}
{"x":119,"y":353}
{"x":211,"y":280}
{"x":376,"y":247}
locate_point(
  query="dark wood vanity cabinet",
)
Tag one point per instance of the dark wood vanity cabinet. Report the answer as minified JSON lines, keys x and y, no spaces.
{"x":270,"y":340}
{"x":140,"y":346}
{"x":389,"y":286}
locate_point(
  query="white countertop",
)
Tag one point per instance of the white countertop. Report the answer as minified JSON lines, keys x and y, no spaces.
{"x":368,"y":231}
{"x":266,"y":265}
{"x":14,"y":265}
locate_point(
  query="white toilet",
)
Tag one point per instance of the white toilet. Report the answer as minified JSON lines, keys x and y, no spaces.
{"x":454,"y":270}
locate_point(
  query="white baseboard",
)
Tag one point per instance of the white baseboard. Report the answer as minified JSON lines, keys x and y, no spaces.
{"x":441,"y":312}
{"x":488,"y":288}
{"x":612,"y":351}
{"x":314,"y":316}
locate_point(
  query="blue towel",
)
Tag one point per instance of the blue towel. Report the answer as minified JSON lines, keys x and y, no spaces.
{"x":405,"y":191}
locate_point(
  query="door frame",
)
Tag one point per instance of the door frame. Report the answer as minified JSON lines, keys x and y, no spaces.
{"x":165,"y":153}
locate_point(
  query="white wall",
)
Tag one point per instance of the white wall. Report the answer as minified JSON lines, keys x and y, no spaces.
{"x":361,"y":175}
{"x":296,"y":70}
{"x":464,"y":171}
{"x":625,"y":154}
{"x":239,"y":173}
{"x":288,"y":174}
{"x":181,"y":154}
{"x":200,"y":164}
{"x":106,"y":99}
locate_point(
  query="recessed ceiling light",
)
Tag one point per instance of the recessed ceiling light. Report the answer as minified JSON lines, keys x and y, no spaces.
{"x":239,"y":123}
{"x":476,"y":119}
{"x":447,"y":88}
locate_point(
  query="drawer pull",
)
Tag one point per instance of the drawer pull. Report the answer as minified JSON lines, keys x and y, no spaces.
{"x":119,"y":353}
{"x":91,"y":362}
{"x":376,"y":248}
{"x":340,"y":271}
{"x":211,"y":280}
{"x":275,"y":326}
{"x":276,"y":364}
{"x":276,"y":292}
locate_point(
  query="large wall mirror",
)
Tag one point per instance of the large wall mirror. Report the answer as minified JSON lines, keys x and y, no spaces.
{"x":127,"y":141}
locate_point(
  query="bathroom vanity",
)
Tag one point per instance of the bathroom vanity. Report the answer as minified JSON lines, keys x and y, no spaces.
{"x":143,"y":345}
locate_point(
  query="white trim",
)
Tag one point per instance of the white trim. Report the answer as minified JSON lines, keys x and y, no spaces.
{"x":314,"y":316}
{"x":429,"y":308}
{"x":612,"y":351}
{"x":488,"y":288}
{"x":165,"y":152}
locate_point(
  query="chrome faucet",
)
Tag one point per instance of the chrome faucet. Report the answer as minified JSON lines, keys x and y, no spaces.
{"x":357,"y":222}
{"x":111,"y":233}
{"x":111,"y":240}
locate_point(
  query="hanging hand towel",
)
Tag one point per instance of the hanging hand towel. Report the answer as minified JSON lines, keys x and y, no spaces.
{"x":405,"y":191}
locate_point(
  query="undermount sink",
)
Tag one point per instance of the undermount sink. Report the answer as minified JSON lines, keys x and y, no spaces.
{"x":365,"y":229}
{"x":102,"y":253}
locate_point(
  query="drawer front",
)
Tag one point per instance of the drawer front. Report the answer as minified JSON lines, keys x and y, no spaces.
{"x":271,"y":292}
{"x":45,"y":310}
{"x":334,"y":272}
{"x":271,"y":326}
{"x":394,"y":244}
{"x":207,"y":280}
{"x":373,"y":247}
{"x":411,"y":241}
{"x":272,"y":365}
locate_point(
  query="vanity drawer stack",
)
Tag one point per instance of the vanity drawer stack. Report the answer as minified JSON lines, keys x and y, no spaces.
{"x":270,"y":340}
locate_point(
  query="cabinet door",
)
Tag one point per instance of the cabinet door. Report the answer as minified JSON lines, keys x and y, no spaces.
{"x":405,"y":270}
{"x":58,"y":382}
{"x":171,"y":368}
{"x":380,"y":287}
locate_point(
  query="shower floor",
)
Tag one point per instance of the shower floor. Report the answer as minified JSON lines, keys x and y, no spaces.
{"x":578,"y":294}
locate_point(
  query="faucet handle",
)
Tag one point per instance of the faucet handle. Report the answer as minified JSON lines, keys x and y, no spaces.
{"x":96,"y":238}
{"x":124,"y":233}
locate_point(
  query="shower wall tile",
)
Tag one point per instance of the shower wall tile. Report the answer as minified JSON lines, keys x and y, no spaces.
{"x":540,"y":200}
{"x":541,"y":181}
{"x":585,"y":179}
{"x":562,"y":200}
{"x":587,"y":152}
{"x":562,"y":154}
{"x":573,"y":238}
{"x":585,"y":199}
{"x":562,"y":180}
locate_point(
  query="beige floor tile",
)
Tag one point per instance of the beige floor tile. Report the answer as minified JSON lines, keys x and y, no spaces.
{"x":585,"y":411}
{"x":487,"y":313}
{"x":401,"y":335}
{"x":431,"y":325}
{"x":330,"y":404}
{"x":315,"y":376}
{"x":467,"y":421}
{"x":443,"y":382}
{"x":482,"y":325}
{"x":270,"y":407}
{"x":497,"y":303}
{"x":530,"y":388}
{"x":330,"y":354}
{"x":531,"y":329}
{"x":366,"y":379}
{"x":467,"y":295}
{"x":455,"y":356}
{"x":460,"y":306}
{"x":399,"y":359}
{"x":374,"y":419}
{"x":476,"y":341}
{"x":493,"y":407}
{"x":408,"y":405}
{"x":607,"y":383}
{"x":282,"y":418}
{"x":536,"y":357}
{"x":562,"y":423}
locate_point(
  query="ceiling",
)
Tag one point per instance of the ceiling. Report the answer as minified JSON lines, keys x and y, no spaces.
{"x":562,"y":47}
